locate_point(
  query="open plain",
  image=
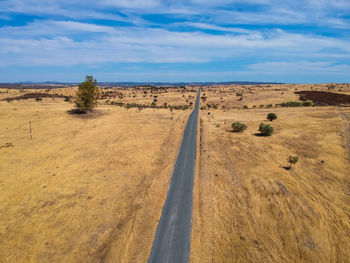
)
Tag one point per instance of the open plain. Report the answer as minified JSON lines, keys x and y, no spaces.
{"x":90,"y":188}
{"x":85,"y":188}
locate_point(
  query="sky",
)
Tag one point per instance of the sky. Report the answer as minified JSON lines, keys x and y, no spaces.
{"x":293,"y":41}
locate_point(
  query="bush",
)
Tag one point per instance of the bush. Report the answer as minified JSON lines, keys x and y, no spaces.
{"x":291,"y":104}
{"x":308,"y":103}
{"x":265,"y":129}
{"x":245,"y":107}
{"x":66,"y":98}
{"x":271,"y":116}
{"x":293,"y":160}
{"x":238,"y":127}
{"x":87,"y":95}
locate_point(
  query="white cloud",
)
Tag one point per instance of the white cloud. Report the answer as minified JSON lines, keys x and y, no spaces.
{"x":58,"y":43}
{"x":64,"y":34}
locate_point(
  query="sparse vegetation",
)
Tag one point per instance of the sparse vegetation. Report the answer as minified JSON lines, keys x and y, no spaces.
{"x":293,"y":160}
{"x":308,"y":103}
{"x":238,"y":127}
{"x":265,"y":129}
{"x":291,"y":104}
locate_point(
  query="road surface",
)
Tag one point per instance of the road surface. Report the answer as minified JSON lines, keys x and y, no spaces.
{"x":172,"y":240}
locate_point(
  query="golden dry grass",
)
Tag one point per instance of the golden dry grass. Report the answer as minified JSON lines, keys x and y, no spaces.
{"x":256,"y":95}
{"x":86,"y":188}
{"x":250,"y":209}
{"x":91,"y":188}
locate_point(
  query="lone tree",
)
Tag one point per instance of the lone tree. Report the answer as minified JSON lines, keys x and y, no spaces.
{"x":87,"y":95}
{"x":271,"y":116}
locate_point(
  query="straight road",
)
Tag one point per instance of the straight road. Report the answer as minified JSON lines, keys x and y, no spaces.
{"x":172,"y":240}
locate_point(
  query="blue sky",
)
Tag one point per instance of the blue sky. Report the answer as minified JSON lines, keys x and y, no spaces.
{"x":300,"y":41}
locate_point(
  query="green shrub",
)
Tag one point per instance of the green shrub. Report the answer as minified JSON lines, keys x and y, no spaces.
{"x":308,"y":103}
{"x":271,"y":116}
{"x":269,"y":106}
{"x":293,"y":160}
{"x":265,"y":129}
{"x":238,"y":127}
{"x":245,"y":107}
{"x":291,"y":104}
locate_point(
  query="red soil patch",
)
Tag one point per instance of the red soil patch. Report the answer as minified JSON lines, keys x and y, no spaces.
{"x":324,"y":98}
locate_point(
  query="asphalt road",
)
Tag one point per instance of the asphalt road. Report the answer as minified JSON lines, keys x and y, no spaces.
{"x":172,"y":239}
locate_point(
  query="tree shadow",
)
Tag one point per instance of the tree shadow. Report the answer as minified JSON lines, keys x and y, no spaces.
{"x":76,"y":111}
{"x":86,"y":115}
{"x":286,"y":167}
{"x":259,"y":134}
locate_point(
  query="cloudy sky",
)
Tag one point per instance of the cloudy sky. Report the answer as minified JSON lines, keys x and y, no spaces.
{"x":300,"y":41}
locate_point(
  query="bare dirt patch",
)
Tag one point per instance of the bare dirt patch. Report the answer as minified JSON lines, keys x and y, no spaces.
{"x":34,"y":96}
{"x":324,"y":97}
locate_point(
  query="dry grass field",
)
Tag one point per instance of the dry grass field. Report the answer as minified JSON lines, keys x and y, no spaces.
{"x":85,"y":188}
{"x":257,"y":96}
{"x":90,"y":188}
{"x":249,"y":208}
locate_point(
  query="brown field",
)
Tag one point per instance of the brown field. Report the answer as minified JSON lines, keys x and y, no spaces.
{"x":259,"y":96}
{"x":85,"y":188}
{"x":248,"y":208}
{"x":90,"y":188}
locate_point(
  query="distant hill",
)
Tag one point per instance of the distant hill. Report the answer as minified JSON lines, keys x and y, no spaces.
{"x":50,"y":84}
{"x":133,"y":84}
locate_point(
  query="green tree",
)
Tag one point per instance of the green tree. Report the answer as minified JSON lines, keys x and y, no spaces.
{"x":271,"y":116}
{"x":87,"y":94}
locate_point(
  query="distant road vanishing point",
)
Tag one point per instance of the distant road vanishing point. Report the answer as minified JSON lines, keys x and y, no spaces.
{"x":172,"y":240}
